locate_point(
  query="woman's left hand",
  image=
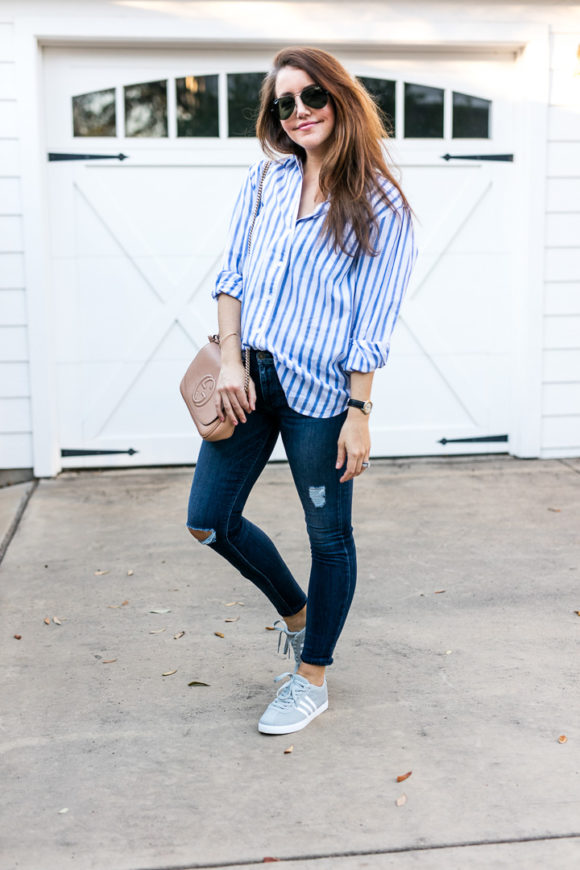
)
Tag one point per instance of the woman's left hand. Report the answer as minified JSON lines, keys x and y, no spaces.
{"x":354,"y":444}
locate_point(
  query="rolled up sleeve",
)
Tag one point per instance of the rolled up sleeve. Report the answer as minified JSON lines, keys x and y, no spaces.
{"x":230,"y":277}
{"x":379,"y":285}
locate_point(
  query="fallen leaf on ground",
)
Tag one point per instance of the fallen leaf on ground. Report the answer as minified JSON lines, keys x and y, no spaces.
{"x":100,"y":573}
{"x":401,"y":800}
{"x":232,"y":619}
{"x":178,"y":635}
{"x":562,"y":738}
{"x":130,"y":572}
{"x":270,"y":628}
{"x":18,"y":637}
{"x":448,"y":652}
{"x":404,"y":776}
{"x":47,"y":620}
{"x":219,"y":634}
{"x":555,"y":510}
{"x":108,"y":661}
{"x":197,"y":683}
{"x":231,"y":604}
{"x":160,"y":610}
{"x":169,"y":673}
{"x":289,"y":750}
{"x":439,"y":591}
{"x":157,"y":630}
{"x":577,"y":612}
{"x":124,"y":603}
{"x":56,"y":620}
{"x":64,"y":810}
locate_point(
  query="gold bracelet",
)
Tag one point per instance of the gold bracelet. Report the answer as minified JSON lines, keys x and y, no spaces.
{"x":229,"y":335}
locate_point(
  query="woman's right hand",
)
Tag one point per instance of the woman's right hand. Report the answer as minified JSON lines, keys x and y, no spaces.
{"x":231,"y":400}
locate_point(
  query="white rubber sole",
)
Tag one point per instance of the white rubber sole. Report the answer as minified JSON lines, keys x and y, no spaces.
{"x":297,"y":726}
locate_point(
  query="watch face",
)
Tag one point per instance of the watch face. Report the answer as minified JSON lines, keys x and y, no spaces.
{"x":367,"y":407}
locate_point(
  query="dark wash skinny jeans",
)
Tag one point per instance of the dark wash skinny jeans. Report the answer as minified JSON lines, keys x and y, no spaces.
{"x":225,"y":473}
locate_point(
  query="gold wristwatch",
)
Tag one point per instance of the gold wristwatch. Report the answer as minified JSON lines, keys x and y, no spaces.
{"x":365,"y":407}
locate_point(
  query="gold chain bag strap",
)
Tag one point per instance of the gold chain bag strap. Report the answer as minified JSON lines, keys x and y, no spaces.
{"x":200,"y":380}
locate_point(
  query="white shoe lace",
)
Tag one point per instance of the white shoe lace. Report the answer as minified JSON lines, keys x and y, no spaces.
{"x":288,"y":694}
{"x":290,"y":638}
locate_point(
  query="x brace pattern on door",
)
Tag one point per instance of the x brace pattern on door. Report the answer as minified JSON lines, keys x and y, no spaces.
{"x":147,"y":335}
{"x":432,"y":249}
{"x":177,"y":297}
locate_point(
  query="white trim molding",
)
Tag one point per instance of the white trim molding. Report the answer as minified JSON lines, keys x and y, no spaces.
{"x":45,"y":442}
{"x":532,"y":129}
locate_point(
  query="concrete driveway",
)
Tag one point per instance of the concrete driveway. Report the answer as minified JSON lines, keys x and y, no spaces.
{"x":459,"y":662}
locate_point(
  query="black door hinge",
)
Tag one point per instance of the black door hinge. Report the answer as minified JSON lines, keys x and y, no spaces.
{"x":56,"y":156}
{"x":504,"y":158}
{"x":482,"y":438}
{"x":65,"y":453}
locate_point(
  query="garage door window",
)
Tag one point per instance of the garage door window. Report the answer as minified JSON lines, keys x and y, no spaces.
{"x":423,"y":112}
{"x":470,"y":117}
{"x":195,"y":109}
{"x":95,"y":114}
{"x":243,"y":100}
{"x":383,"y":92}
{"x":146,"y":110}
{"x":197,"y":106}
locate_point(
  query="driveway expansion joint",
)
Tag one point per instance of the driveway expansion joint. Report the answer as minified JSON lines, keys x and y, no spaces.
{"x":366,"y":853}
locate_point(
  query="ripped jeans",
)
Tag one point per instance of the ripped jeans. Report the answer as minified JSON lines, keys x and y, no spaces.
{"x":225,"y":473}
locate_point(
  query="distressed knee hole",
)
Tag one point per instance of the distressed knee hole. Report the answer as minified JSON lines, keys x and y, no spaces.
{"x":317,"y":496}
{"x":204,"y":536}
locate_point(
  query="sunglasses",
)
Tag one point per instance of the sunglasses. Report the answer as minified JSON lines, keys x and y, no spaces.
{"x":313,"y":96}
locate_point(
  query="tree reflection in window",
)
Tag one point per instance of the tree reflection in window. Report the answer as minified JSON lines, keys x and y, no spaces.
{"x":197,"y":106}
{"x":383,"y":92}
{"x":423,"y":112}
{"x":146,"y":110}
{"x":243,"y":103}
{"x":94,"y":114}
{"x":470,"y":117}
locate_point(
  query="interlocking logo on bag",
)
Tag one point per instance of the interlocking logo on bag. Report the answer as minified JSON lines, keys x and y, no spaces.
{"x":203,"y":390}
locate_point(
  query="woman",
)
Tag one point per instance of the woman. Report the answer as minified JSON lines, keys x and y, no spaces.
{"x":315,"y":298}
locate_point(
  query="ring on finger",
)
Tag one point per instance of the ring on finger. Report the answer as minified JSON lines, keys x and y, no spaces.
{"x":365,"y":465}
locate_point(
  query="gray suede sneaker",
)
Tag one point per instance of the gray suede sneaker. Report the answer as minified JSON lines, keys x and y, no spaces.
{"x":294,"y":639}
{"x":296,"y":704}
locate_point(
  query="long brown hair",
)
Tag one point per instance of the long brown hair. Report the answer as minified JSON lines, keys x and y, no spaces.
{"x":354,"y":159}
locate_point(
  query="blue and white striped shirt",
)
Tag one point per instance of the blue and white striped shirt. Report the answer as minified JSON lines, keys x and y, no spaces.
{"x":321,"y":313}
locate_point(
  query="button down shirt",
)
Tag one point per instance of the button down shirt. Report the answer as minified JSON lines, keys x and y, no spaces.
{"x":321,"y":313}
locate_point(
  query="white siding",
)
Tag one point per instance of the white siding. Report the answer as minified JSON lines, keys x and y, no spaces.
{"x":14,"y":380}
{"x":561,"y":367}
{"x":563,"y":230}
{"x":9,"y":158}
{"x":561,"y":372}
{"x":15,"y":416}
{"x":562,"y":298}
{"x":562,"y":399}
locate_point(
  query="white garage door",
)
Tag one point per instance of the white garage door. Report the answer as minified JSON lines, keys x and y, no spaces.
{"x":136,"y":244}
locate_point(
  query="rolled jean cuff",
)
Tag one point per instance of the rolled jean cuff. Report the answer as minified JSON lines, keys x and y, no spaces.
{"x":318,"y":661}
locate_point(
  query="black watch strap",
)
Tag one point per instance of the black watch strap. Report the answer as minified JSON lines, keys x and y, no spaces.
{"x":365,"y":407}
